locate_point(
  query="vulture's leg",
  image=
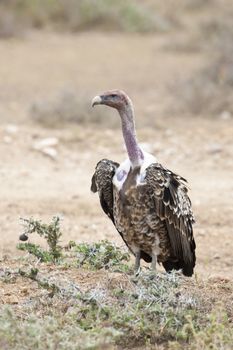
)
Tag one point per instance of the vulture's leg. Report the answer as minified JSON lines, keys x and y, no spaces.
{"x":137,"y":262}
{"x":154,"y":262}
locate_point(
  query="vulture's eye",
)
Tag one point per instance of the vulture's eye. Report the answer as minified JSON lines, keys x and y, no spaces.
{"x":113,"y":95}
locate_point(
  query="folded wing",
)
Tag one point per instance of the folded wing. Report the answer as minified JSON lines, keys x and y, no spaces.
{"x":172,"y":204}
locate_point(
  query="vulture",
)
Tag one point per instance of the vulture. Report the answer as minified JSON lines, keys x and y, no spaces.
{"x":148,"y":204}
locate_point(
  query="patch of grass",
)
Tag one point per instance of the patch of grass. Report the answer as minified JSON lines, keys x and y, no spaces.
{"x":100,"y":255}
{"x":154,"y":309}
{"x":82,"y":309}
{"x":217,"y":334}
{"x":51,"y":232}
{"x":209,"y":91}
{"x":55,"y":331}
{"x":150,"y":310}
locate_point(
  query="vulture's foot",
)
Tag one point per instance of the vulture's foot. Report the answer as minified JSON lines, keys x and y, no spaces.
{"x":137,"y":268}
{"x":137,"y":272}
{"x":154,"y":262}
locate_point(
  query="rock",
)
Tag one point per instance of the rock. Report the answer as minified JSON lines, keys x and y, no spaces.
{"x":23,"y":237}
{"x":44,"y":143}
{"x":201,"y":232}
{"x":11,"y":129}
{"x":225,"y":115}
{"x":50,"y":152}
{"x":46,"y":146}
{"x":214,"y":148}
{"x":216,"y":256}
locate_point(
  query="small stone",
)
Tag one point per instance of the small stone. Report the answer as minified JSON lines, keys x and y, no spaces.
{"x":11,"y":129}
{"x":225,"y":115}
{"x":216,"y":257}
{"x":46,"y":143}
{"x":23,"y":237}
{"x":46,"y":146}
{"x":201,"y":232}
{"x":214,"y":148}
{"x":50,"y":152}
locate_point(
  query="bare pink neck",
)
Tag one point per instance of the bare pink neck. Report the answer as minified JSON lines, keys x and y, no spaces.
{"x":129,"y":133}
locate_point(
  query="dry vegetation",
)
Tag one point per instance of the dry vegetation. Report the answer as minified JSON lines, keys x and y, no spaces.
{"x":86,"y":301}
{"x":71,"y":15}
{"x":77,"y":290}
{"x":209,"y":90}
{"x":67,"y":107}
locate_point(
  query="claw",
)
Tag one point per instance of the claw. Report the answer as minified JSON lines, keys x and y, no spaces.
{"x":137,"y":272}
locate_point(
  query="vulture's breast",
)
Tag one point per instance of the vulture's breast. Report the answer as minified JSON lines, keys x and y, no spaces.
{"x":124,"y":172}
{"x":135,"y":215}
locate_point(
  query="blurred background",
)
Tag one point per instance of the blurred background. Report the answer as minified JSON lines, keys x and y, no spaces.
{"x":173,"y":58}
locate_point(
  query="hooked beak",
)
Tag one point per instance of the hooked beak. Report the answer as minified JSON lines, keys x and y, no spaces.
{"x":97,"y":100}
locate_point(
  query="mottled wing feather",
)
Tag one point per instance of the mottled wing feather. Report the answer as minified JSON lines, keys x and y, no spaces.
{"x":174,"y":206}
{"x":102,"y":183}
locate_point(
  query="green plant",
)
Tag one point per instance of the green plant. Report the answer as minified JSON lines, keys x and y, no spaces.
{"x":216,"y":334}
{"x":155,"y":309}
{"x":99,"y":255}
{"x":36,"y":250}
{"x":58,"y":330}
{"x":51,"y":232}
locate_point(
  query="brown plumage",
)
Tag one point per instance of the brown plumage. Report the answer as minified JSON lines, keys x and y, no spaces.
{"x":147,"y":203}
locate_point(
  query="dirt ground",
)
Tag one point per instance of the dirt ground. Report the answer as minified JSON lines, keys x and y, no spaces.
{"x":39,"y":65}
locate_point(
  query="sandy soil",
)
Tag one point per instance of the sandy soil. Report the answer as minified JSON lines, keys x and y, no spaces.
{"x":198,"y":148}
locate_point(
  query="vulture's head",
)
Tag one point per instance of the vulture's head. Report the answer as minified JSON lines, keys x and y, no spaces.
{"x":114,"y":98}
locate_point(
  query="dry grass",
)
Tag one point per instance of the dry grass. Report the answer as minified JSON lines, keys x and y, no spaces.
{"x":209,"y":91}
{"x":103,"y":307}
{"x":71,"y":15}
{"x":57,"y":305}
